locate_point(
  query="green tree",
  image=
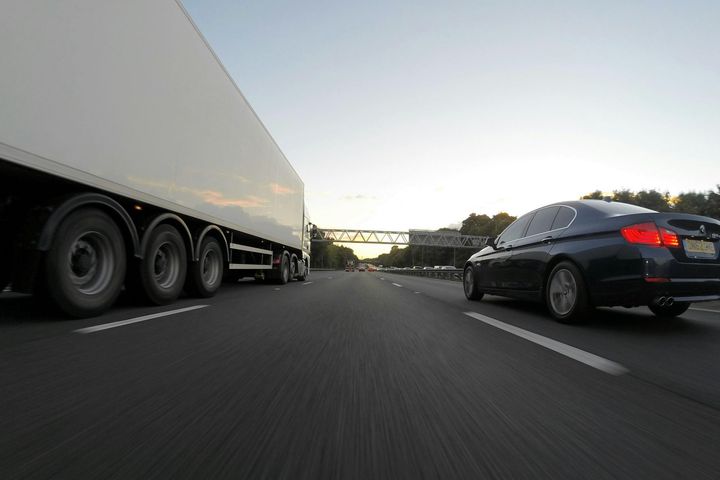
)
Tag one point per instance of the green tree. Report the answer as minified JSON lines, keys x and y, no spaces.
{"x":712,"y":208}
{"x":500,"y":222}
{"x":482,"y":225}
{"x":328,"y":255}
{"x":596,"y":195}
{"x":625,"y":196}
{"x":653,"y":200}
{"x":690,"y":202}
{"x":476,"y":225}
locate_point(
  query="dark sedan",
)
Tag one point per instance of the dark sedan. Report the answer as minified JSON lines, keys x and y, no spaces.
{"x":582,"y":254}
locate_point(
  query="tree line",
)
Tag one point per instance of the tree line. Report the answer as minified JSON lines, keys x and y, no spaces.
{"x":327,"y":255}
{"x":699,"y":203}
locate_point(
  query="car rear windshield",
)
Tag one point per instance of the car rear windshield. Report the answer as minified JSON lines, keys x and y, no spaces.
{"x":613,"y":209}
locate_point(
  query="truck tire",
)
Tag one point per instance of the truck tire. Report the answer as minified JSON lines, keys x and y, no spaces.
{"x":85,"y":266}
{"x":4,"y":277}
{"x":205,"y":276}
{"x":284,"y":273}
{"x":303,"y":276}
{"x":164,"y":265}
{"x":5,"y":270}
{"x":293,"y":267}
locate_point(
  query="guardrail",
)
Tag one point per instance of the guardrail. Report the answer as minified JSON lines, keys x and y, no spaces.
{"x":455,"y":275}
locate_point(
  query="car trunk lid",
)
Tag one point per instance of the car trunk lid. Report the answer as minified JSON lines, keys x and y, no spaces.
{"x":699,"y":237}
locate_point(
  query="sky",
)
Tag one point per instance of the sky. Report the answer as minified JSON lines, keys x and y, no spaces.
{"x":405,"y":115}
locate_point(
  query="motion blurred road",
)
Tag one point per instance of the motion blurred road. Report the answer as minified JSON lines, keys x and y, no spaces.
{"x":357,"y":376}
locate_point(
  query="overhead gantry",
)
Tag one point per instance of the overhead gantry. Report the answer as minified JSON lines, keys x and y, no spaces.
{"x":425,"y":238}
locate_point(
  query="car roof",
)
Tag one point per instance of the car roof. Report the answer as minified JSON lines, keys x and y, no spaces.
{"x":603,"y":208}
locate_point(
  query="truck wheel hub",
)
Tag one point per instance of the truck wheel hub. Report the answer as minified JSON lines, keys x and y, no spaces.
{"x":83,"y":258}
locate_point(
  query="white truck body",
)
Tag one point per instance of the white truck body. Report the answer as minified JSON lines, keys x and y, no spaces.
{"x":127,"y":97}
{"x":130,"y":160}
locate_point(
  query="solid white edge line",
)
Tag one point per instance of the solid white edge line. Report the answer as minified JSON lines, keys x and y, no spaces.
{"x":704,"y":310}
{"x":397,"y":284}
{"x":603,"y":364}
{"x":105,"y":326}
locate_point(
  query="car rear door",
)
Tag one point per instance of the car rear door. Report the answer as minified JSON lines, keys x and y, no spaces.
{"x":531,"y":253}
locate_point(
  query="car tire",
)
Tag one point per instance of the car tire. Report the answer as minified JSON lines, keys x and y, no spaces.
{"x":164,"y":265}
{"x":566,"y":295}
{"x":470,"y":286}
{"x":677,"y":308}
{"x":85,"y":267}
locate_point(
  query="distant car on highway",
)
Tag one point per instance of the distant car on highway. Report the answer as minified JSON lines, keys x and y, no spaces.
{"x":447,"y":267}
{"x":581,"y":254}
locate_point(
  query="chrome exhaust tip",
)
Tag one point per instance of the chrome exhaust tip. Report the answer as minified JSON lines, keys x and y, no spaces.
{"x":660,"y":301}
{"x":669,"y":301}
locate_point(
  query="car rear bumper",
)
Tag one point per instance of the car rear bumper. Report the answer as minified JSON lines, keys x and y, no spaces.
{"x":640,"y":291}
{"x":640,"y":275}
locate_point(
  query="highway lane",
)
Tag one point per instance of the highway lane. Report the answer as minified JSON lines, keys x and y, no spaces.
{"x":351,"y":376}
{"x":678,"y":354}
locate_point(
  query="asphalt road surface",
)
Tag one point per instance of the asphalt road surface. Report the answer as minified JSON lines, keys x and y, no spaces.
{"x":357,"y":376}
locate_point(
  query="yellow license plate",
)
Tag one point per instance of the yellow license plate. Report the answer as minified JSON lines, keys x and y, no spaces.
{"x":699,"y":246}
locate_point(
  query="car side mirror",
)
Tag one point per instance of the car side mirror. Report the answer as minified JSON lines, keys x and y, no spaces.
{"x":491,"y":242}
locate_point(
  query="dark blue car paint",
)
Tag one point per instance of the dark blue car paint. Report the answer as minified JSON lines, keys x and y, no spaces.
{"x":614,"y":270}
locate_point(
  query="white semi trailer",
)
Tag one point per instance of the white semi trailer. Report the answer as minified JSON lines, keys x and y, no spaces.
{"x":129,"y":157}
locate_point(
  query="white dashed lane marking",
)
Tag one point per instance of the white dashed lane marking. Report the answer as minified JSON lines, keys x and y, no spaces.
{"x":704,"y":310}
{"x":307,"y":283}
{"x":397,"y":284}
{"x":603,"y":364}
{"x":144,"y":318}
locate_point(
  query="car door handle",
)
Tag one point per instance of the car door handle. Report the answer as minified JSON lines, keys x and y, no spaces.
{"x":508,"y":247}
{"x":547,"y":239}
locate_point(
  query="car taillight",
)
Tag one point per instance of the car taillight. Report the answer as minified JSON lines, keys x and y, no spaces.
{"x":669,"y":238}
{"x":643,"y":233}
{"x":649,"y":234}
